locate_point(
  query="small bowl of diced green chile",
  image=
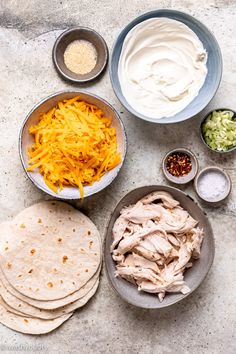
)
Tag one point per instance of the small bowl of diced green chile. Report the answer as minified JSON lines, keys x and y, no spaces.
{"x":218,"y":130}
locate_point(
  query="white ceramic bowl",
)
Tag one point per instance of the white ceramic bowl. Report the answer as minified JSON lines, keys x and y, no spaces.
{"x":26,"y":139}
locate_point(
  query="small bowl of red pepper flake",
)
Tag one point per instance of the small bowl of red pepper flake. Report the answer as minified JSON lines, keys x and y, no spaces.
{"x":180,"y":166}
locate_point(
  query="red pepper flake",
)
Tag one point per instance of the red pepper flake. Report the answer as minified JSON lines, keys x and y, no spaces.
{"x":178,"y":164}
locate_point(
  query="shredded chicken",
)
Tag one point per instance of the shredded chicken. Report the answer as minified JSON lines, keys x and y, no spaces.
{"x":154,"y":242}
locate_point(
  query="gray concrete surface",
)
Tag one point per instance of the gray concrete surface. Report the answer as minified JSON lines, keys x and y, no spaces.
{"x":206,"y":321}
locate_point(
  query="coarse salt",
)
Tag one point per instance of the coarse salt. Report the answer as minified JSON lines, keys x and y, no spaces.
{"x":212,"y":185}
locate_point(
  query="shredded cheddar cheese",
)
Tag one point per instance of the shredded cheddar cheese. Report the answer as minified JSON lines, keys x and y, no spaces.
{"x":74,"y":145}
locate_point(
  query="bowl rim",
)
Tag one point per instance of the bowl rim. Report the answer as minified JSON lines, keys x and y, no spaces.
{"x":212,"y":168}
{"x":120,"y":95}
{"x":191,"y":154}
{"x":57,"y":66}
{"x":20,"y":142}
{"x":201,"y":279}
{"x":201,"y":134}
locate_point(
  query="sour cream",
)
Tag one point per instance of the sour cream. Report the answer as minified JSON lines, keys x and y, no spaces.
{"x":162,"y":67}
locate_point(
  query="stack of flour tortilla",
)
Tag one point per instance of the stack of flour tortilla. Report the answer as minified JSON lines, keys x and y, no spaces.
{"x":50,"y":260}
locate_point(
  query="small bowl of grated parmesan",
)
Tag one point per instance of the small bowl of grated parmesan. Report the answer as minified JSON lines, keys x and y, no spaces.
{"x":212,"y":184}
{"x":80,"y":55}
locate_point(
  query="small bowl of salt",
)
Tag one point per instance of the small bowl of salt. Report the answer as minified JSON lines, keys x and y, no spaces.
{"x":212,"y":184}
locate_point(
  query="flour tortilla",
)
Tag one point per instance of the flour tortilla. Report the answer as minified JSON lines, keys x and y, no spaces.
{"x":27,"y":324}
{"x":53,"y":250}
{"x":51,"y":305}
{"x":42,"y":305}
{"x":12,"y":304}
{"x":11,"y":309}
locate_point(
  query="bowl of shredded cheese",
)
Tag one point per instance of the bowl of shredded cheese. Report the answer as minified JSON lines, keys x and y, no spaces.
{"x":72,"y":144}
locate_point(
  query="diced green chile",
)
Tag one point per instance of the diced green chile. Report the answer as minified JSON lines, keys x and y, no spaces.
{"x":219,"y":130}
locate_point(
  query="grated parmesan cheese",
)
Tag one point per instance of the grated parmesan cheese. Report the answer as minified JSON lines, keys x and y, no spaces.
{"x":80,"y":57}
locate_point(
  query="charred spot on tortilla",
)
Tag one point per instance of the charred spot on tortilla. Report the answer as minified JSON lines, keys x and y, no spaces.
{"x":61,"y":281}
{"x":9,"y":265}
{"x":50,"y":284}
{"x":22,"y":226}
{"x":30,"y":271}
{"x":6,"y":248}
{"x":86,"y":270}
{"x":59,"y":240}
{"x":73,"y":230}
{"x":20,"y":275}
{"x":89,"y":232}
{"x":64,"y":259}
{"x":82,"y":250}
{"x":25,"y":320}
{"x":33,"y":251}
{"x":40,"y":221}
{"x":59,"y":220}
{"x":90,"y":243}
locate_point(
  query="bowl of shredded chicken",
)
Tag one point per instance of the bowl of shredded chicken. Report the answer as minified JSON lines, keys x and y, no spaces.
{"x":72,"y":145}
{"x":159,"y":246}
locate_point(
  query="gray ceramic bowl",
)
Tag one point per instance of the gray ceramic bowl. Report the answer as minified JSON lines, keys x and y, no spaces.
{"x":224,"y":195}
{"x":193,"y":276}
{"x":74,"y":34}
{"x":25,"y":140}
{"x":201,"y":135}
{"x":183,"y":179}
{"x":214,"y":65}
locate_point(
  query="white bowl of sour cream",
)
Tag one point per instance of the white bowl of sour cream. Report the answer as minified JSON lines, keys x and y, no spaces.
{"x":165,"y":66}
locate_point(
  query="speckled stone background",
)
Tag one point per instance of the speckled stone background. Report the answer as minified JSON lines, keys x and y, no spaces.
{"x":206,"y":321}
